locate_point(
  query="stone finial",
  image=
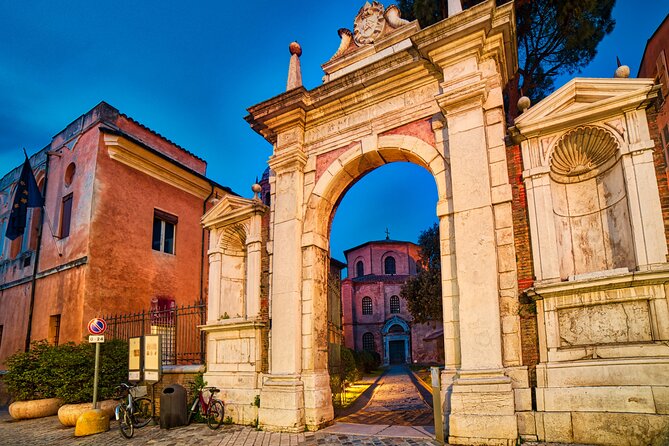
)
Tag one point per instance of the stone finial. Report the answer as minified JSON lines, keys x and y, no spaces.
{"x":454,"y":7}
{"x":623,"y":71}
{"x":256,"y":188}
{"x":524,"y":103}
{"x":294,"y":70}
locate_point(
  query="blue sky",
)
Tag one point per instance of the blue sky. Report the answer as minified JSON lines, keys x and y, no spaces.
{"x":190,"y":70}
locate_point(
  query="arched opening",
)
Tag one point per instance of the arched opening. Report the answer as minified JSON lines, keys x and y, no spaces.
{"x":389,"y":265}
{"x":344,"y":224}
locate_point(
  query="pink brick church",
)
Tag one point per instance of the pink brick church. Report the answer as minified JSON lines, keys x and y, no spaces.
{"x":374,"y":316}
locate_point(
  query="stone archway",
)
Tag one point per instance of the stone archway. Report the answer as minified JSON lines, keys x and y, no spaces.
{"x":433,"y":98}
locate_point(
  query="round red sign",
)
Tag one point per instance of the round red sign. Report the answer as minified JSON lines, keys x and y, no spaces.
{"x":97,"y":326}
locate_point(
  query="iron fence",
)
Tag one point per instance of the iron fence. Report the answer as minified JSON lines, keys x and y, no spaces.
{"x":182,"y":340}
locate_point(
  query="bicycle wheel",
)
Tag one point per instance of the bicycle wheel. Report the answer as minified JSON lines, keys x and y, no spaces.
{"x":125,"y":422}
{"x":143,"y":411}
{"x":215,"y":414}
{"x":194,"y":409}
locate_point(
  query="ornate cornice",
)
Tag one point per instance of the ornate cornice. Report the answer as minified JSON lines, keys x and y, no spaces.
{"x":132,"y":155}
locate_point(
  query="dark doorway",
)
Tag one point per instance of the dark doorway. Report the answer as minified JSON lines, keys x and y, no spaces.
{"x":396,"y":352}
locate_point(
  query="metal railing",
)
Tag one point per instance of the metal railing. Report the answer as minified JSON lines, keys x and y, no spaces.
{"x":182,"y":340}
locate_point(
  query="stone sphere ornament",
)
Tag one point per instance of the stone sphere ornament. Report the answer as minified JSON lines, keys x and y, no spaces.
{"x":295,"y":48}
{"x":622,"y":72}
{"x":524,"y":103}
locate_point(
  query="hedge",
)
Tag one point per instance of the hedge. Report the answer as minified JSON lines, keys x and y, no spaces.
{"x":66,"y":371}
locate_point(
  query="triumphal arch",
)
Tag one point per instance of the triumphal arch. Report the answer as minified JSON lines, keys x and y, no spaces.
{"x":395,"y":92}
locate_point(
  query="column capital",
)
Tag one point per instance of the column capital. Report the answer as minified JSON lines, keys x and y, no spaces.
{"x":288,"y":161}
{"x":463,"y":96}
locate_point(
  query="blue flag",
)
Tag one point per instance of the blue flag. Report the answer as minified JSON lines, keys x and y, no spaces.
{"x":27,"y":195}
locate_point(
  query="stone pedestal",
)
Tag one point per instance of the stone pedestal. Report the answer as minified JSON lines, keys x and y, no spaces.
{"x":235,"y":355}
{"x":282,"y":404}
{"x":482,"y":409}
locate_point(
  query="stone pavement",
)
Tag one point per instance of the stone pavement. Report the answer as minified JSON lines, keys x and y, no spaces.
{"x":49,"y":431}
{"x":395,"y":402}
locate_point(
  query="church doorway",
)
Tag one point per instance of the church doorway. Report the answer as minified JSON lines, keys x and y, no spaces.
{"x":396,"y":352}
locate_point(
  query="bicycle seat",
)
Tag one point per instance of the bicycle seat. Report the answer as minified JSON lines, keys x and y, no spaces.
{"x":213,"y":389}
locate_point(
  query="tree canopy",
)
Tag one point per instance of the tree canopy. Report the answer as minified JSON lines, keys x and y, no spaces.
{"x":554,"y":37}
{"x":423,"y":291}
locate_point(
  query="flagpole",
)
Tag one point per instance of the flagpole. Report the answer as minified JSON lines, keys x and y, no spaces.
{"x":33,"y":280}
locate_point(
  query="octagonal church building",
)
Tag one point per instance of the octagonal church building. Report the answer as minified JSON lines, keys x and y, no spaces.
{"x":374,"y":316}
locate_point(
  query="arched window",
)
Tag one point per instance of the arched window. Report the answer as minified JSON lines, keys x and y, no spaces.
{"x":368,"y":342}
{"x":366,"y":305}
{"x":389,"y":265}
{"x":394,"y":304}
{"x":359,"y":269}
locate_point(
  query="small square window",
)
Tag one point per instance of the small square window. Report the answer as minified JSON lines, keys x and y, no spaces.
{"x":164,"y":231}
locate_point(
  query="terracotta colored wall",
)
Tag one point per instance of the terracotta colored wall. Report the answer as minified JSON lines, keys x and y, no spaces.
{"x":14,"y":304}
{"x":125,"y":272}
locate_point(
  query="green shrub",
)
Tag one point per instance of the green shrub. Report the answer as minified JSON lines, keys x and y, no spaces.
{"x":349,"y":369}
{"x":367,"y":361}
{"x":66,"y":371}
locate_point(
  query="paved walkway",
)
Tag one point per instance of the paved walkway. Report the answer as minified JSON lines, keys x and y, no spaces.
{"x":395,"y":401}
{"x":49,"y":431}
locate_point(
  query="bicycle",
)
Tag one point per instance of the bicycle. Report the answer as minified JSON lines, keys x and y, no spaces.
{"x":137,"y":413}
{"x":213,"y":409}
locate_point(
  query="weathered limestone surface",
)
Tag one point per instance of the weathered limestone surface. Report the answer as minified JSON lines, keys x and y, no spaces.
{"x":599,"y":254}
{"x":235,"y":325}
{"x":434,"y":98}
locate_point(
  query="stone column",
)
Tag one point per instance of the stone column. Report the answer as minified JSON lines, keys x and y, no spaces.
{"x":282,"y":396}
{"x":644,"y":200}
{"x":253,"y":266}
{"x":214,"y":302}
{"x":546,"y":257}
{"x":481,"y":403}
{"x":317,"y":394}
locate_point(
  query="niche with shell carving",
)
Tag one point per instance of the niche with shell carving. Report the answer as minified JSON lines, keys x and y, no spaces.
{"x":590,"y":206}
{"x":232,"y":245}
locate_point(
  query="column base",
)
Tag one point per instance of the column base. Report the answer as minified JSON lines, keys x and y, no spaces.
{"x":282,"y":404}
{"x":318,"y":410}
{"x":482,"y":409}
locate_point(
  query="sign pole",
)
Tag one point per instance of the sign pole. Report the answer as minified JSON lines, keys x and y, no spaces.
{"x":95,"y":376}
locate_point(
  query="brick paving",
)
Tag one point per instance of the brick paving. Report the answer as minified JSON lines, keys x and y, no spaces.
{"x":396,"y":401}
{"x":49,"y":431}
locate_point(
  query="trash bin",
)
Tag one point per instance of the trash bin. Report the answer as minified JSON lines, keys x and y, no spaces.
{"x":173,"y":410}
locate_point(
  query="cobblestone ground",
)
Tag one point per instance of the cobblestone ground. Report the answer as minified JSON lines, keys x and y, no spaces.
{"x":49,"y":431}
{"x":396,"y":401}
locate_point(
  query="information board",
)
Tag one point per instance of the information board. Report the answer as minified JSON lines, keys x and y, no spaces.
{"x":152,"y":357}
{"x":135,"y":359}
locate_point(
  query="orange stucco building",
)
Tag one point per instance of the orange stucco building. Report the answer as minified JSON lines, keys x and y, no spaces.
{"x":654,"y":64}
{"x":124,"y":205}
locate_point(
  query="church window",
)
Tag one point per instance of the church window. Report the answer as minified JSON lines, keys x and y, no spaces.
{"x":164,"y":231}
{"x":65,"y":216}
{"x":366,"y":305}
{"x":359,"y":269}
{"x":389,"y":265}
{"x":368,"y":342}
{"x":394,"y":304}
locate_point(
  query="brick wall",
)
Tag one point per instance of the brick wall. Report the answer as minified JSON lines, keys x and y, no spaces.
{"x":660,"y":165}
{"x":180,"y":375}
{"x":521,"y":232}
